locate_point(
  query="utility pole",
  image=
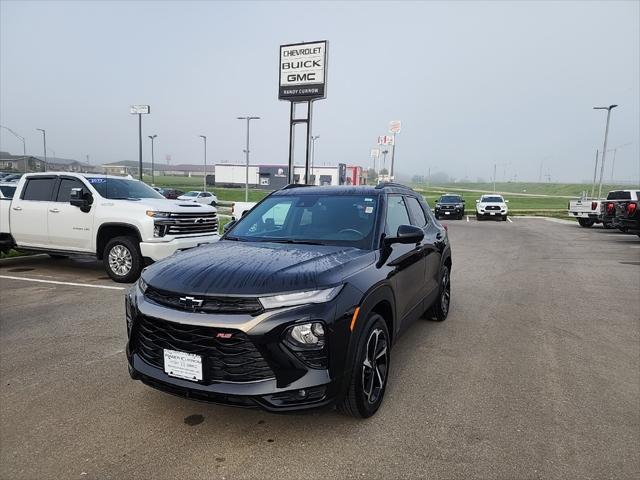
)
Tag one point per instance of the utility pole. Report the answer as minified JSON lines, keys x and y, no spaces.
{"x":24,"y":148}
{"x":615,"y":150}
{"x":595,"y":174}
{"x":604,"y":148}
{"x":246,"y":151}
{"x":313,"y":155}
{"x":153,"y":179}
{"x":44,"y":140}
{"x":494,"y":177}
{"x":204,"y":137}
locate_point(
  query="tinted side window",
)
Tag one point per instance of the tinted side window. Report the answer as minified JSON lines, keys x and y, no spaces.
{"x":396,"y":214}
{"x":64,"y":192}
{"x":39,"y":189}
{"x":419,"y":219}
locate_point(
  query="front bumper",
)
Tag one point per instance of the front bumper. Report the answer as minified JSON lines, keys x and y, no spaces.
{"x":293,"y":386}
{"x":454,"y":212}
{"x":493,"y":213}
{"x":157,"y":250}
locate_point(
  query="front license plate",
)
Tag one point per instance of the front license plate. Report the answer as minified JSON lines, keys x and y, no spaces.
{"x":447,"y":213}
{"x":183,"y":365}
{"x":492,"y":213}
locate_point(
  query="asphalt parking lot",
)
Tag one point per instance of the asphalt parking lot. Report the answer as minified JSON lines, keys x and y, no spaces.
{"x":535,"y":374}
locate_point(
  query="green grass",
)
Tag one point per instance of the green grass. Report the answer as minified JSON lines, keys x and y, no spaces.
{"x":552,"y":189}
{"x":13,"y":253}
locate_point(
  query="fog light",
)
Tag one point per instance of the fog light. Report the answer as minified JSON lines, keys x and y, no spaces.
{"x":307,"y":334}
{"x":302,"y":393}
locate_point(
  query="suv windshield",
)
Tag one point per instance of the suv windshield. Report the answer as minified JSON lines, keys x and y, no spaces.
{"x":347,"y":220}
{"x":450,"y":199}
{"x":122,"y":189}
{"x":492,"y":200}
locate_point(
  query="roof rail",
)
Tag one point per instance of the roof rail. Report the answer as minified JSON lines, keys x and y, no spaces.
{"x":296,"y":185}
{"x":392,"y":184}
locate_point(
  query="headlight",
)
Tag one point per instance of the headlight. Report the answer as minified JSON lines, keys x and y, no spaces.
{"x":307,"y":335}
{"x":300,"y":298}
{"x":142,"y":285}
{"x":154,"y":214}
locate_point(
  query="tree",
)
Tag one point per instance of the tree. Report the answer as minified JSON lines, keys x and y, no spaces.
{"x":372,"y":176}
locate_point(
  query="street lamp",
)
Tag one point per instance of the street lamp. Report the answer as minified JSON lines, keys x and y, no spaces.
{"x":44,"y":139}
{"x":246,"y":150}
{"x":152,"y":137}
{"x":24,"y":148}
{"x":604,"y":148}
{"x":313,"y":154}
{"x":204,"y":137}
{"x":615,"y":150}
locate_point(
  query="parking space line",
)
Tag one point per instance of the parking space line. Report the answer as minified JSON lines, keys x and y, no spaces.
{"x":509,"y":220}
{"x":467,"y":218}
{"x":55,"y":282}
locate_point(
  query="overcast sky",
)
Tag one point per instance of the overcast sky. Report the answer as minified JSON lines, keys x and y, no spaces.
{"x":474,"y":83}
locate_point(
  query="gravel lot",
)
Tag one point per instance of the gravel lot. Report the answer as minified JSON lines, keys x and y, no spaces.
{"x":536,"y":374}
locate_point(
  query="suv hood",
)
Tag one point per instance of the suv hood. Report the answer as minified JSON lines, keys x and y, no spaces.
{"x":165,"y":205}
{"x":251,"y":268}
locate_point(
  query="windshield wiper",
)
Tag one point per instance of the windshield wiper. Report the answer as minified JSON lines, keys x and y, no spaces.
{"x":290,"y":240}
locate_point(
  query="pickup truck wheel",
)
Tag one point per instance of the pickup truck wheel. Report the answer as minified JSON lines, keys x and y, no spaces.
{"x":607,"y":225}
{"x":478,"y":217}
{"x":586,"y":222}
{"x":440,"y":309}
{"x":122,"y":259}
{"x":504,"y":218}
{"x":370,"y":370}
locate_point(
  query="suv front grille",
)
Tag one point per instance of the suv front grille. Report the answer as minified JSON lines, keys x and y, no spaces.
{"x":250,"y":305}
{"x":233,"y":359}
{"x":190,"y":223}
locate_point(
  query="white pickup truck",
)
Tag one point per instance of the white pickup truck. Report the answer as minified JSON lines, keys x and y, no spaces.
{"x":586,"y":210}
{"x":121,"y":221}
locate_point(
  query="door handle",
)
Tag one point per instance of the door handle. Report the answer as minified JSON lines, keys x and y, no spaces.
{"x":17,"y":208}
{"x":54,"y":210}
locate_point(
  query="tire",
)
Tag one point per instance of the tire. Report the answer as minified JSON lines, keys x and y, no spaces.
{"x":56,"y":256}
{"x":478,"y":217}
{"x":607,"y":225}
{"x":366,"y":392}
{"x":586,"y":222}
{"x":439,"y":311}
{"x":504,"y":218}
{"x":437,"y":216}
{"x":122,"y":259}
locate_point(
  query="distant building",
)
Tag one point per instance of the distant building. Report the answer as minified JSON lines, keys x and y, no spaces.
{"x":273,"y":177}
{"x":131,"y":167}
{"x":20,"y":163}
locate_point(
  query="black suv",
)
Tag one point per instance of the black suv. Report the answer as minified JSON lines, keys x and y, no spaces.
{"x":449,"y":206}
{"x":297,"y":305}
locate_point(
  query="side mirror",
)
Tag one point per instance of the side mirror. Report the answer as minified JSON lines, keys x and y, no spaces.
{"x":506,"y":201}
{"x":228,"y":225}
{"x":79,"y":197}
{"x":463,"y":201}
{"x":406,"y":234}
{"x":244,"y":213}
{"x":478,"y":200}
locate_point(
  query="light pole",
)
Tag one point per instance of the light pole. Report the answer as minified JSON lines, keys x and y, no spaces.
{"x":24,"y":148}
{"x":44,"y":140}
{"x":152,"y":137}
{"x":204,"y":137}
{"x":604,"y":148}
{"x":384,"y":162}
{"x":246,"y":150}
{"x":313,"y":154}
{"x":615,"y":150}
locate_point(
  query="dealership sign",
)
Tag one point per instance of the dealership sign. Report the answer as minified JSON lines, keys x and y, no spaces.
{"x":385,"y":140}
{"x":303,"y":71}
{"x":139,"y":109}
{"x":395,"y":126}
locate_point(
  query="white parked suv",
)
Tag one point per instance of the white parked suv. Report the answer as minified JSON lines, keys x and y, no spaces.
{"x":121,"y":221}
{"x":205,"y":198}
{"x":492,"y":206}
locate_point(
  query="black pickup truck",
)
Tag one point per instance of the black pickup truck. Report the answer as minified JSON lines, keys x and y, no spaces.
{"x":616,"y":201}
{"x":627,"y":215}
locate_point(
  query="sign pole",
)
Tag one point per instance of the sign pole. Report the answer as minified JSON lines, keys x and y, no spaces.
{"x":393,"y":157}
{"x":291,"y":140}
{"x":307,"y":170}
{"x":140,"y":143}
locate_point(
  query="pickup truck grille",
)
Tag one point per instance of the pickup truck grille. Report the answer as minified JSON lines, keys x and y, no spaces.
{"x":492,"y":207}
{"x":190,"y":223}
{"x":213,"y":304}
{"x":227,"y":355}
